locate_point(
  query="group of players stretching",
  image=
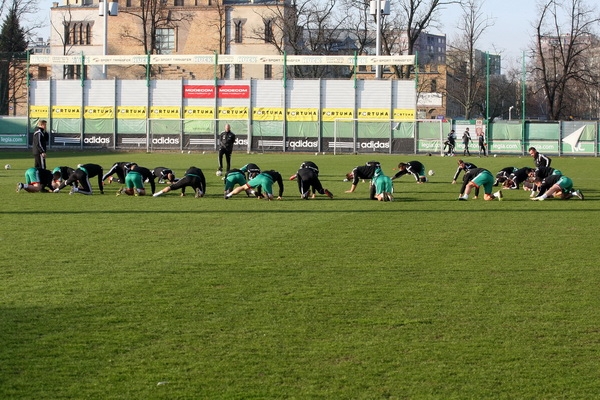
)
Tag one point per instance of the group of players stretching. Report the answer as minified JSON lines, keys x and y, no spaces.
{"x":543,"y":181}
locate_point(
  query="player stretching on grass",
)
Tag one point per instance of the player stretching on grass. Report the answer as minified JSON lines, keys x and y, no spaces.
{"x":307,"y":177}
{"x":80,"y":179}
{"x":539,"y":159}
{"x":119,"y":168}
{"x":462,"y":167}
{"x":36,"y":180}
{"x":236,"y":177}
{"x":558,"y":186}
{"x":476,"y":178}
{"x":363,"y":172}
{"x":265,"y":181}
{"x":514,"y":180}
{"x":134,"y":181}
{"x":164,"y":175}
{"x":415,"y":168}
{"x":384,"y":187}
{"x":193,"y":177}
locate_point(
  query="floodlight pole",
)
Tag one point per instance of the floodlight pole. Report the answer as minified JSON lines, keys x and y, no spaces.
{"x":378,"y":39}
{"x":510,"y":112}
{"x":104,"y":35}
{"x":104,"y":9}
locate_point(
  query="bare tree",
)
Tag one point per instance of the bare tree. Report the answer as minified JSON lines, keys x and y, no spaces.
{"x":467,"y":67}
{"x":219,"y":24}
{"x":302,"y":27}
{"x":359,"y":21}
{"x":504,"y":93}
{"x":401,"y":29}
{"x":418,"y":16}
{"x":564,"y":38}
{"x":364,"y":27}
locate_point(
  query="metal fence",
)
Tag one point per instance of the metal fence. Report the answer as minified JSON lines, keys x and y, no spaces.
{"x":334,"y":116}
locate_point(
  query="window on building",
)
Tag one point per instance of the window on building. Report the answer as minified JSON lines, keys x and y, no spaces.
{"x":237,"y":71}
{"x":74,"y":71}
{"x":433,"y":86}
{"x":42,"y":72}
{"x":268,"y":71}
{"x":179,"y":3}
{"x":165,"y":40}
{"x":238,"y":31}
{"x":88,"y":34}
{"x":70,"y":30}
{"x":269,"y":31}
{"x":78,"y":33}
{"x":128,"y":3}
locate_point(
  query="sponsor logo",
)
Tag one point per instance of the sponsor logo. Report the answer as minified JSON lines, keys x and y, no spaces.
{"x":302,"y":144}
{"x":247,"y":59}
{"x":165,"y":140}
{"x":8,"y":139}
{"x":551,"y":147}
{"x":429,"y":145}
{"x":374,"y":145}
{"x":96,"y":140}
{"x":241,"y":142}
{"x":507,"y":146}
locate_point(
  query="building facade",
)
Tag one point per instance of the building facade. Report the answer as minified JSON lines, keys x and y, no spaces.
{"x":165,"y":27}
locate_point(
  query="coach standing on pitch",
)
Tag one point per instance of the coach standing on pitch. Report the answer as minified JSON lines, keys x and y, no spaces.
{"x":226,"y":140}
{"x":39,"y":144}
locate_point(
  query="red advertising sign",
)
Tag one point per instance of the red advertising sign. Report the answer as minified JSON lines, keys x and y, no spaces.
{"x":234,"y":92}
{"x":208,"y":92}
{"x":198,"y":91}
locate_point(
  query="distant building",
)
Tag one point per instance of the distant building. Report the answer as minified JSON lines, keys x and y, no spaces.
{"x":430,"y":49}
{"x":181,"y":27}
{"x":39,"y":47}
{"x":495,"y":62}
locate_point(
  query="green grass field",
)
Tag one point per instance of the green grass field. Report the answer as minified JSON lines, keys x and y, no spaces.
{"x":107,"y":297}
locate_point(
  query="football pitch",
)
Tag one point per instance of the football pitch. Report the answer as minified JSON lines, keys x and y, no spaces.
{"x":108,"y":297}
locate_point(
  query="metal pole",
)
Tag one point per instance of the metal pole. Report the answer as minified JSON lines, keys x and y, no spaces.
{"x":378,"y":39}
{"x":487,"y":100}
{"x":104,"y":35}
{"x":523,"y":126}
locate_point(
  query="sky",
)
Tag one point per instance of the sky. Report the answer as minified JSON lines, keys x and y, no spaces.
{"x":509,"y":36}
